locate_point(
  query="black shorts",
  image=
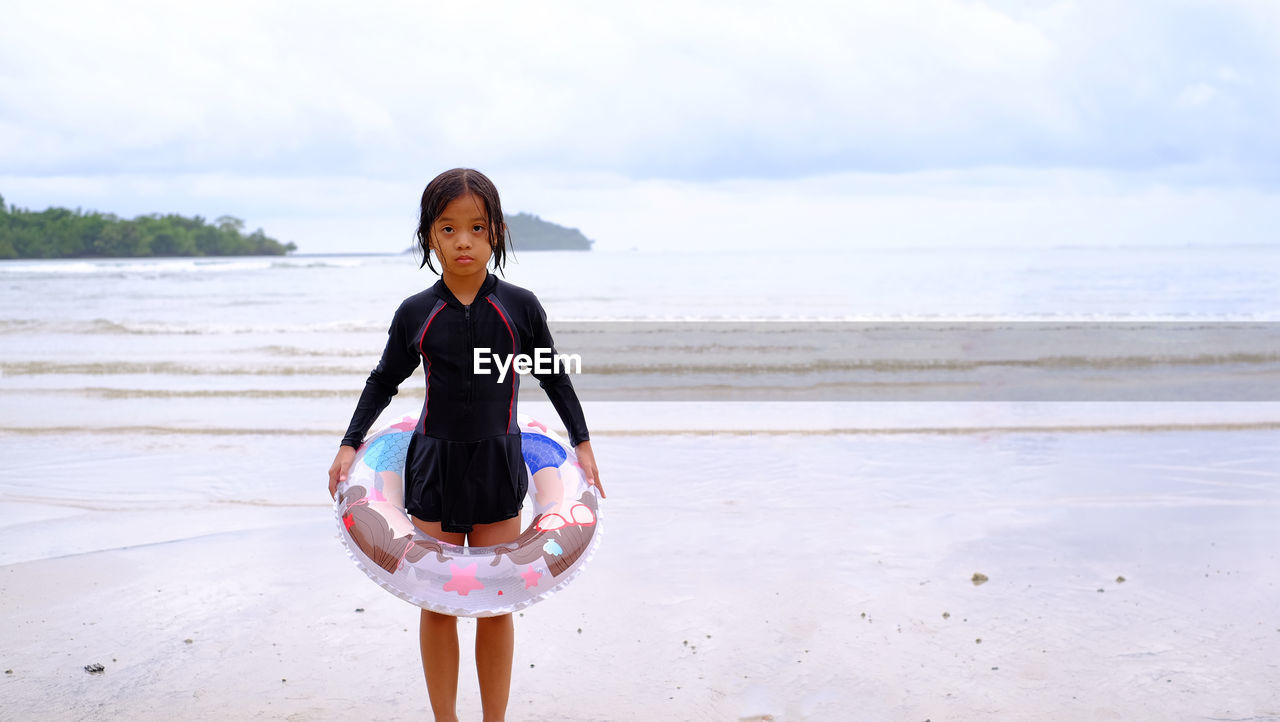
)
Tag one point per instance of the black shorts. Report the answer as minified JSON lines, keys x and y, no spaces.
{"x":463,"y":483}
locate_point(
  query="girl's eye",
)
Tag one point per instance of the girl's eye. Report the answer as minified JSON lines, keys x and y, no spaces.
{"x":477,"y":228}
{"x":447,"y":229}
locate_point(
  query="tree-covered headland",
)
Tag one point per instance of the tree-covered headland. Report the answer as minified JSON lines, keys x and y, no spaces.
{"x":63,"y":233}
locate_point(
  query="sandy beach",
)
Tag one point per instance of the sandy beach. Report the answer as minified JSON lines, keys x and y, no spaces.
{"x":1130,"y":575}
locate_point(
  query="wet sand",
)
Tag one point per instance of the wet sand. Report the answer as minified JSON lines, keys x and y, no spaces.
{"x":755,"y":576}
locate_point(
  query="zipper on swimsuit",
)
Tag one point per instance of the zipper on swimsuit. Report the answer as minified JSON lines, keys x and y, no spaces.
{"x":471,"y":341}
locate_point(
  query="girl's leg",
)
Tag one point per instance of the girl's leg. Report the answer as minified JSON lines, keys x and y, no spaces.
{"x":495,"y":636}
{"x":438,"y":640}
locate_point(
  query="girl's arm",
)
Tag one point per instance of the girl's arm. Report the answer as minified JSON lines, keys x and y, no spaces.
{"x":587,"y":460}
{"x":559,"y":390}
{"x":397,"y":362}
{"x":341,"y":465}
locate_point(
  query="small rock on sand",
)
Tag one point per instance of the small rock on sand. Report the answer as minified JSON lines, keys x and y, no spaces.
{"x":979,"y":579}
{"x":94,"y":668}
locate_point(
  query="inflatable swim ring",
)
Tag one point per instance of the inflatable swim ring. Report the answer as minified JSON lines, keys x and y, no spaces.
{"x":468,"y":581}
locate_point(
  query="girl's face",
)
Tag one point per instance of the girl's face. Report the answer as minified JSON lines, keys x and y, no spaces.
{"x":460,"y":237}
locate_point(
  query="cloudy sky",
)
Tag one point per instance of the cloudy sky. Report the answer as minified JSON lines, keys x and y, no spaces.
{"x":659,"y":125}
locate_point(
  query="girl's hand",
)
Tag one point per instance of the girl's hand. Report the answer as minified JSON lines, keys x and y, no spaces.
{"x":587,"y":460}
{"x":341,"y":465}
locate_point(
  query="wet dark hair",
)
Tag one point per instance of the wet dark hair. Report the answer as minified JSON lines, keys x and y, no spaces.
{"x":448,"y":187}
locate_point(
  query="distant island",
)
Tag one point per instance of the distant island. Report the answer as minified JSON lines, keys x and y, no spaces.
{"x":63,"y":233}
{"x":531,"y":233}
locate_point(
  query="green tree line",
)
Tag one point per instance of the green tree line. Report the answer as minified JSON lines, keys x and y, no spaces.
{"x":63,"y":233}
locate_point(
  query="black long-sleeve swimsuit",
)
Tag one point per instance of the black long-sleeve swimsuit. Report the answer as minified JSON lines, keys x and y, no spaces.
{"x":464,"y":464}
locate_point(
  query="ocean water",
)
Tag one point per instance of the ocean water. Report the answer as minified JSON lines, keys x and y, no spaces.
{"x":340,"y":293}
{"x":218,"y":388}
{"x":251,"y":343}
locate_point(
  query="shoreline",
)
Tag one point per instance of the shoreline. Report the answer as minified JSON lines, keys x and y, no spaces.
{"x":636,"y":418}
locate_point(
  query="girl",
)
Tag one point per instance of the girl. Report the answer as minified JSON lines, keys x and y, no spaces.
{"x":465,"y":476}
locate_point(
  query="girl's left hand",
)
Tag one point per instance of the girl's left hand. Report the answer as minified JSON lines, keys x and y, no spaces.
{"x":587,"y":460}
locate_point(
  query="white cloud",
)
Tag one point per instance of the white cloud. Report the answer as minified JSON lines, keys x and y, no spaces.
{"x":683,"y":90}
{"x":1196,"y":95}
{"x":913,"y":119}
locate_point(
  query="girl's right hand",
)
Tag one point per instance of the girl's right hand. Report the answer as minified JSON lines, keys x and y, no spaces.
{"x":341,"y":465}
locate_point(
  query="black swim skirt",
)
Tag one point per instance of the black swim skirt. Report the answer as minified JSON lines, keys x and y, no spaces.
{"x":463,"y":483}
